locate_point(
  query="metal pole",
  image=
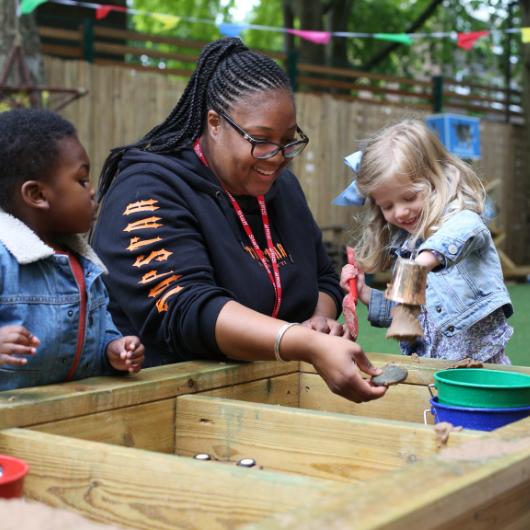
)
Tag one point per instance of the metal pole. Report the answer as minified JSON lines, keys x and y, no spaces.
{"x":508,"y":64}
{"x":88,"y":40}
{"x":437,"y":93}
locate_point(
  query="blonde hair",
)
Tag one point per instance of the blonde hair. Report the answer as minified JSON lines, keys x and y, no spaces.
{"x":447,"y":184}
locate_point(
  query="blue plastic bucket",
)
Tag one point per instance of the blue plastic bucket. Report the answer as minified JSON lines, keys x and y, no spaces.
{"x":480,"y":419}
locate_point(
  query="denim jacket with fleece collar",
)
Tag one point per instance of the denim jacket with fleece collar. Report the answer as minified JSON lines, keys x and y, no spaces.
{"x":466,"y":287}
{"x":38,"y":290}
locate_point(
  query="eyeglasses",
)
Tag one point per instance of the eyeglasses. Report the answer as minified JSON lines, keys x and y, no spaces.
{"x":262,"y":149}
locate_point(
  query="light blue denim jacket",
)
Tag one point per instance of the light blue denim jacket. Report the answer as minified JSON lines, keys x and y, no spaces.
{"x":38,"y":290}
{"x":468,"y":285}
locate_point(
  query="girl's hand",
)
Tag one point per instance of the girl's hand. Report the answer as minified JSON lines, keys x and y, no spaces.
{"x":325,"y":325}
{"x":351,"y":271}
{"x":427,"y":259}
{"x":340,"y":363}
{"x":16,"y":340}
{"x":126,"y":354}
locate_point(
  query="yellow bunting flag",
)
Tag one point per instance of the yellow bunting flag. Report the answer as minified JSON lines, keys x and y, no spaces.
{"x":525,"y":35}
{"x":168,"y":21}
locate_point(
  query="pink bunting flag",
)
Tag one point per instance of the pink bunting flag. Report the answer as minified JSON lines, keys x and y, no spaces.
{"x":103,"y":10}
{"x":467,"y":40}
{"x":318,"y":37}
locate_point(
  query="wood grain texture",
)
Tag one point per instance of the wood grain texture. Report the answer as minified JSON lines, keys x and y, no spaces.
{"x":401,"y":402}
{"x":278,"y":390}
{"x":151,"y":491}
{"x":481,"y":485}
{"x":150,"y":426}
{"x":323,"y":445}
{"x":33,"y":405}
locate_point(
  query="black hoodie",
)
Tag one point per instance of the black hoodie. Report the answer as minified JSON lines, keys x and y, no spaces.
{"x":176,"y":253}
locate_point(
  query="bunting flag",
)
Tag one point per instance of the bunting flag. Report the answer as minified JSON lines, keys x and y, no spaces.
{"x":103,"y":10}
{"x":231,"y":30}
{"x":167,"y":21}
{"x":402,"y":38}
{"x":317,"y":37}
{"x":28,"y":6}
{"x":467,"y":40}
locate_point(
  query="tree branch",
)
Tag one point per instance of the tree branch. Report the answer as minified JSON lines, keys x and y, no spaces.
{"x":383,"y":54}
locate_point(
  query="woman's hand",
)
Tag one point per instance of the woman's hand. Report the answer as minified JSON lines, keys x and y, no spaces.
{"x":340,"y":362}
{"x":126,"y":354}
{"x":349,"y":272}
{"x":325,"y":325}
{"x":16,"y":340}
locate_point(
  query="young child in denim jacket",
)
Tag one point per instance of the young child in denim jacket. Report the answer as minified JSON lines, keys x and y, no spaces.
{"x":54,"y":323}
{"x":427,"y":205}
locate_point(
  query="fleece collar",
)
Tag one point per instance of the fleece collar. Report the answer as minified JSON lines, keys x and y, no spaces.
{"x":27,"y":247}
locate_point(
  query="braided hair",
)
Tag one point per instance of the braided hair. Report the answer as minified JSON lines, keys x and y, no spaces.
{"x":226,"y":71}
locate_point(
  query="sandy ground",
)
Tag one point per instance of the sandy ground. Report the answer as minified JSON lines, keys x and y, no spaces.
{"x":20,"y":514}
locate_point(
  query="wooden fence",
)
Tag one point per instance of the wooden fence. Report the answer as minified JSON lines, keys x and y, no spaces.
{"x":122,"y":104}
{"x":173,"y":56}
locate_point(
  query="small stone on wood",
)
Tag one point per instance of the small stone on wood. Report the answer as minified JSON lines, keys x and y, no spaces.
{"x":392,"y":374}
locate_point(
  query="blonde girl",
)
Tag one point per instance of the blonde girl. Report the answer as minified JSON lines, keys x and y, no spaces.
{"x":425,"y":204}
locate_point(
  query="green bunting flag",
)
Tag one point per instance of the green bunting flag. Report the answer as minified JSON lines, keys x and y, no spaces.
{"x":402,"y":38}
{"x":28,"y":6}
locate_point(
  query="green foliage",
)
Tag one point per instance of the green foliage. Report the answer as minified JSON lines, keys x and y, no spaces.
{"x":485,"y":62}
{"x":267,"y":13}
{"x":199,"y":9}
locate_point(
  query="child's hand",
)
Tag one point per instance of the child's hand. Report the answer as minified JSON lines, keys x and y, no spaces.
{"x":351,"y":271}
{"x":427,"y":259}
{"x":16,"y":340}
{"x":126,"y":354}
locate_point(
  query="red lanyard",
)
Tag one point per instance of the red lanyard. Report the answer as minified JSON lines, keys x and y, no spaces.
{"x":274,"y":276}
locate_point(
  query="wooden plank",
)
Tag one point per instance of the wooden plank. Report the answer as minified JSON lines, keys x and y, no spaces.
{"x":322,"y":445}
{"x":401,"y":402}
{"x":420,"y":369}
{"x":481,"y":108}
{"x":348,"y":72}
{"x":348,"y":85}
{"x":181,"y":72}
{"x":33,"y":405}
{"x":482,"y":484}
{"x":150,"y":426}
{"x":65,"y":51}
{"x":454,"y":82}
{"x":279,"y":390}
{"x":115,"y":33}
{"x":118,"y":49}
{"x":381,"y":103}
{"x":58,"y":33}
{"x":404,"y":402}
{"x":141,"y":489}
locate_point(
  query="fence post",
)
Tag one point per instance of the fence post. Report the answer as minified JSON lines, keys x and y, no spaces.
{"x":292,"y":68}
{"x":437,"y":93}
{"x":88,"y":40}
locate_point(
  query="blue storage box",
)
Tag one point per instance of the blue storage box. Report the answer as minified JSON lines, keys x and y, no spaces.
{"x":459,"y":134}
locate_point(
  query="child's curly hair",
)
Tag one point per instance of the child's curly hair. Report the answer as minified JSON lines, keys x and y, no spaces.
{"x":28,"y":148}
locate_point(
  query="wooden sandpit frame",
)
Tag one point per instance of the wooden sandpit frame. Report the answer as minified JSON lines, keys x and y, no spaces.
{"x":118,"y":450}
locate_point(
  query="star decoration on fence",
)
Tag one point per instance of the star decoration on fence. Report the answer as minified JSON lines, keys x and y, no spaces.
{"x":36,"y":96}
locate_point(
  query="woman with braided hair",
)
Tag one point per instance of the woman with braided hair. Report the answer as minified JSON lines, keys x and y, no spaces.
{"x":209,"y":241}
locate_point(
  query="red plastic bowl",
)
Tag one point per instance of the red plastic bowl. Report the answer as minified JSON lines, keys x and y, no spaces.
{"x":12,"y":473}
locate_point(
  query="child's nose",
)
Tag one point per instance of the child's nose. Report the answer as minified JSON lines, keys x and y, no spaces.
{"x":401,"y":210}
